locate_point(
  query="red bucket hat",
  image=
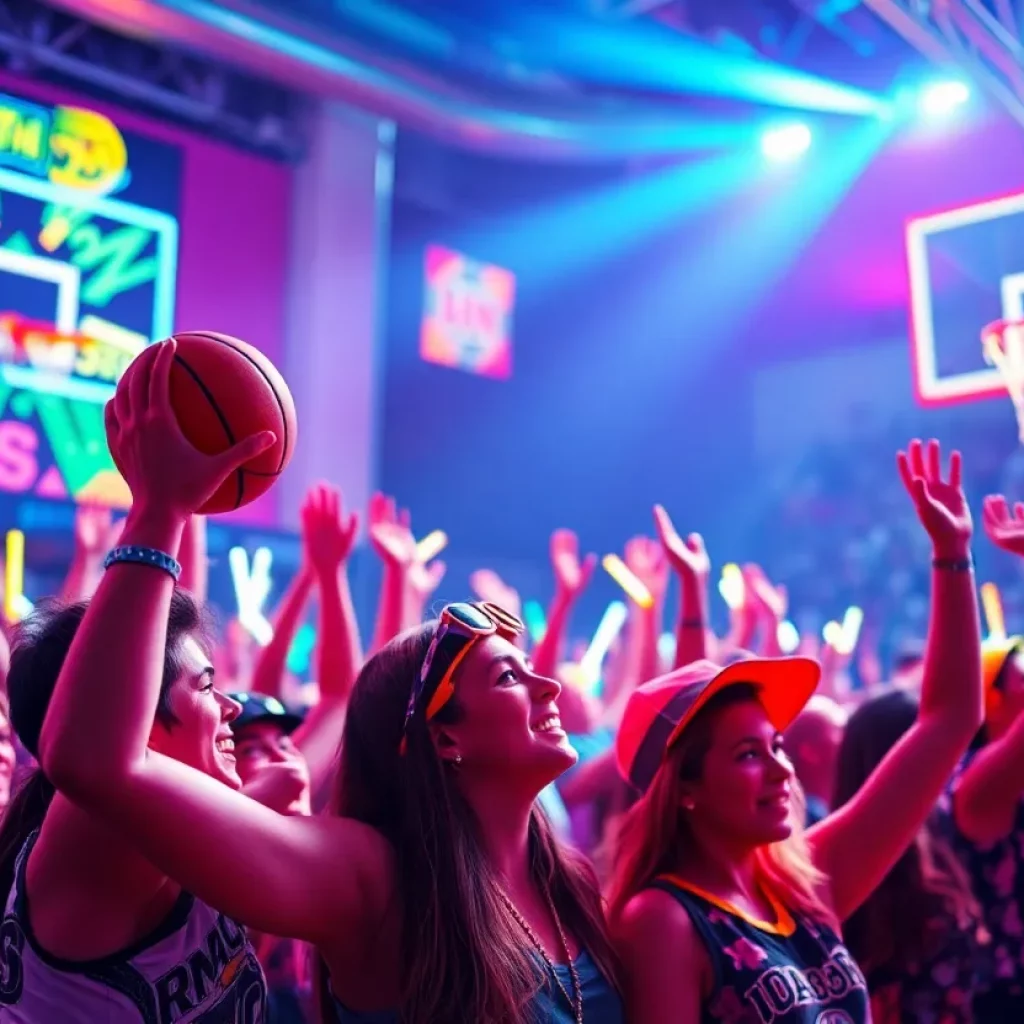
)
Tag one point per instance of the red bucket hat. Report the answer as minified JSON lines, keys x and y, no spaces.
{"x":659,"y":711}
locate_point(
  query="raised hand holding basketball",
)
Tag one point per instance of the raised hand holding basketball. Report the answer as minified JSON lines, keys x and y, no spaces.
{"x":162,"y":469}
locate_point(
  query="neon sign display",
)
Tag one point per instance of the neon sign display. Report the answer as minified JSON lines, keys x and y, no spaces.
{"x":69,"y":146}
{"x":88,"y":262}
{"x":468,"y":314}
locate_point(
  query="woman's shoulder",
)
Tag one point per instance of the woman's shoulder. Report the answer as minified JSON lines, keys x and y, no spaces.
{"x":652,"y":920}
{"x":667,"y":966}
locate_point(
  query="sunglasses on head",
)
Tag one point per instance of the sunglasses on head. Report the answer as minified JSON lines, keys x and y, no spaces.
{"x":459,"y":627}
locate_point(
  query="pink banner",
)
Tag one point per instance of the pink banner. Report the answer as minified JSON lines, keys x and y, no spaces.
{"x":467,"y":319}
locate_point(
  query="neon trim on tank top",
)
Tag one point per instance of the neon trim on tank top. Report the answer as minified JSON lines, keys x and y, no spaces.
{"x":784,"y":924}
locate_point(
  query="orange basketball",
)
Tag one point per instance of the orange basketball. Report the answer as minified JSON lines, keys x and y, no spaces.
{"x":223,"y":390}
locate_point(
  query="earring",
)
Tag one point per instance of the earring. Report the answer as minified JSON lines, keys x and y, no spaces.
{"x":688,"y":805}
{"x":457,"y":761}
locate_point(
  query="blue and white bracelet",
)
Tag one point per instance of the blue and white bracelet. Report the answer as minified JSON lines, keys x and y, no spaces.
{"x":144,"y":556}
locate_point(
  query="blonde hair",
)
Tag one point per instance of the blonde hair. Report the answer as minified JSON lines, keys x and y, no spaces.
{"x":654,"y":834}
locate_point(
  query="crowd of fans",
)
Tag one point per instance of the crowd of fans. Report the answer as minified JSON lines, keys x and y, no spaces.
{"x":468,"y":824}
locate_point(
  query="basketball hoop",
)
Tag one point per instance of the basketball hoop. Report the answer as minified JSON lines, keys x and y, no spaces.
{"x":1002,"y":343}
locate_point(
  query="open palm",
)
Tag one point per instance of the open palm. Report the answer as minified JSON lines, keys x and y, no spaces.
{"x":391,"y":532}
{"x":489,"y":586}
{"x":328,"y":535}
{"x":571,"y":573}
{"x":1004,"y":528}
{"x":645,"y":558}
{"x":688,"y":557}
{"x":940,"y":504}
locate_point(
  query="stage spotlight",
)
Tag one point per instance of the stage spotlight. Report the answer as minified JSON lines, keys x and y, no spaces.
{"x":941,"y":98}
{"x":786,"y":142}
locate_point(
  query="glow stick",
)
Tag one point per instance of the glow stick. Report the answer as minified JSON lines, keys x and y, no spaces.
{"x":850,"y":629}
{"x":992,"y":604}
{"x":262,"y":559}
{"x":667,"y":649}
{"x":536,"y":622}
{"x":788,"y":636}
{"x":431,"y":546}
{"x":732,"y":586}
{"x":628,"y":580}
{"x":14,"y":575}
{"x":251,"y":591}
{"x":572,"y":674}
{"x":832,"y":634}
{"x":608,"y":629}
{"x":302,"y":648}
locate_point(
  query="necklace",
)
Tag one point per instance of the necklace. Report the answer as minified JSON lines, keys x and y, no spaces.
{"x":575,"y":1000}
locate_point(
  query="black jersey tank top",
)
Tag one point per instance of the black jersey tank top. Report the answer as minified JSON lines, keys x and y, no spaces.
{"x":792,"y":971}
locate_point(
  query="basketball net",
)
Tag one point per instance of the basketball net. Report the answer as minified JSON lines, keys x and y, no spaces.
{"x":1002,"y":343}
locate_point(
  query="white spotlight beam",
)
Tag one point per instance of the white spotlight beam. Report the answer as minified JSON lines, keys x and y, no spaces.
{"x":964,"y":34}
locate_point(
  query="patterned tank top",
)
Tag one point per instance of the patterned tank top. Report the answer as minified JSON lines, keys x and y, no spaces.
{"x":790,"y":972}
{"x":996,"y":871}
{"x":196,"y":967}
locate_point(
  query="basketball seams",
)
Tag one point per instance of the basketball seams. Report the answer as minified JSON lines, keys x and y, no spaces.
{"x":273,"y":390}
{"x":222,"y":419}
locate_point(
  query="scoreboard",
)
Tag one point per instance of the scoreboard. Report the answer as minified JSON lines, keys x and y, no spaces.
{"x":88,"y":260}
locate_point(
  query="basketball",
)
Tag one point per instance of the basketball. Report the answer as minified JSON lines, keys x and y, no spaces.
{"x":222,"y":391}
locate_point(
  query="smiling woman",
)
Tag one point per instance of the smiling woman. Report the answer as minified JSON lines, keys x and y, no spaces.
{"x":105,"y":913}
{"x":436,"y":891}
{"x":722,"y":906}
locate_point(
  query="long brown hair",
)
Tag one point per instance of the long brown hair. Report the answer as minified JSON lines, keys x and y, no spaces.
{"x":462,"y":958}
{"x":896,"y":926}
{"x":654,"y":834}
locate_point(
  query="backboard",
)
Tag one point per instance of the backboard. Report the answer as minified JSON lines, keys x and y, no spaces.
{"x":966,"y":269}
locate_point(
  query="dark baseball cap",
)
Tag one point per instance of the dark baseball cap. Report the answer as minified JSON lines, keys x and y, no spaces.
{"x":258,"y":708}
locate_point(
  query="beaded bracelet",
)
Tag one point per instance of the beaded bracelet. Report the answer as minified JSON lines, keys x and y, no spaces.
{"x":144,"y":556}
{"x":954,"y":564}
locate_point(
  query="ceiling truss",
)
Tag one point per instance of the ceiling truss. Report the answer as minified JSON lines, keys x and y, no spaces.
{"x":39,"y":41}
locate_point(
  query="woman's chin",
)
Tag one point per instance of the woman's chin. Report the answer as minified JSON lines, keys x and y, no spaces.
{"x":779,"y":833}
{"x":225,"y":771}
{"x":563,"y":755}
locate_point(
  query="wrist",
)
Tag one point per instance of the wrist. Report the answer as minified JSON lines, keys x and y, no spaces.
{"x":954,"y":565}
{"x":957,"y":551}
{"x":326,"y":572}
{"x":152,"y":527}
{"x":693,"y":605}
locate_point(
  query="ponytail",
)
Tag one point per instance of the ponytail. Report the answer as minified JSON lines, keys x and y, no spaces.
{"x":23,"y":816}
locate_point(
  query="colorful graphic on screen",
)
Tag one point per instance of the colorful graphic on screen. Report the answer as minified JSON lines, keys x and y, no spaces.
{"x":88,"y":258}
{"x":467,"y":320}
